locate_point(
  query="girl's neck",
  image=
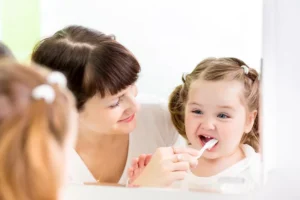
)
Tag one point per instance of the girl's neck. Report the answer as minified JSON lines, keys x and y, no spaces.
{"x":210,"y":167}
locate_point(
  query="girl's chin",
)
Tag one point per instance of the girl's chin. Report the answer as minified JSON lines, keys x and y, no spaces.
{"x":198,"y":147}
{"x":210,"y":155}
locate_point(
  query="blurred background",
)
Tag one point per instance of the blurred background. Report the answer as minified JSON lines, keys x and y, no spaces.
{"x":168,"y":37}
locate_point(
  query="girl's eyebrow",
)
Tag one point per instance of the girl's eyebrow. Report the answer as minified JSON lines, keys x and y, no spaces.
{"x":194,"y":103}
{"x":226,"y":107}
{"x":220,"y":106}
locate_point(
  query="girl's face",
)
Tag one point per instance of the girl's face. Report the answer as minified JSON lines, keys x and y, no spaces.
{"x":215,"y":109}
{"x":112,"y":114}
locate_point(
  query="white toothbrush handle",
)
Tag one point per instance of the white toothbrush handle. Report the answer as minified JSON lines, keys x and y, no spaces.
{"x":201,"y":152}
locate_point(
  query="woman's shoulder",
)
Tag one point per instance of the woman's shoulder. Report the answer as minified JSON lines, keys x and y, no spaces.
{"x":153,"y":107}
{"x":154,"y":118}
{"x":153,"y":103}
{"x":77,"y":171}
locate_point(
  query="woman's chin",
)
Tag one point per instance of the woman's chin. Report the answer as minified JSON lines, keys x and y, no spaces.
{"x":127,"y":128}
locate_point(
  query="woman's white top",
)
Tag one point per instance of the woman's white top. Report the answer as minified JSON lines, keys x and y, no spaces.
{"x":154,"y":129}
{"x":242,"y":177}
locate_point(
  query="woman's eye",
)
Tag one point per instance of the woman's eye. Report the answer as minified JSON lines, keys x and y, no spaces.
{"x":223,"y":116}
{"x":115,"y":105}
{"x":198,"y":112}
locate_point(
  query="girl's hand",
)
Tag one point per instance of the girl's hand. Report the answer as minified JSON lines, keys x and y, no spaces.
{"x":137,"y":166}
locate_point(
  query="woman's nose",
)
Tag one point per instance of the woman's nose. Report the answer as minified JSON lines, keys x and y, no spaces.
{"x":132,"y":105}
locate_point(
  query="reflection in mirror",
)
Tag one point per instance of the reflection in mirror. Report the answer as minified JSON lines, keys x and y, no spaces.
{"x":141,"y":124}
{"x":119,"y":135}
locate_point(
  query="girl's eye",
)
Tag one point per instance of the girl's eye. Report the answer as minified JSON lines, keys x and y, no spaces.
{"x":198,"y":112}
{"x":223,"y":116}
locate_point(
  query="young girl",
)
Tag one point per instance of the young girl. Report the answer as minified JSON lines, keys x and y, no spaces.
{"x":218,"y":100}
{"x":37,"y":124}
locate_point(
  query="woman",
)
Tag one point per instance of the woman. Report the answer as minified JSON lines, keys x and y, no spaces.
{"x":113,"y":130}
{"x":35,"y":131}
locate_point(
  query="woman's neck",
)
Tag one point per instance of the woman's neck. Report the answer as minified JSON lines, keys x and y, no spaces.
{"x":88,"y":139}
{"x":210,"y":167}
{"x":104,"y":155}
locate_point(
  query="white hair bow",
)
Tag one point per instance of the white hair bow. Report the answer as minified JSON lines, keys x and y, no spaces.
{"x":246,"y":69}
{"x":57,"y":78}
{"x":46,"y":91}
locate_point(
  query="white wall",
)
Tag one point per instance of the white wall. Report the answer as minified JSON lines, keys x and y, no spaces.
{"x":269,"y":83}
{"x":1,"y":4}
{"x":168,"y":37}
{"x":281,"y":84}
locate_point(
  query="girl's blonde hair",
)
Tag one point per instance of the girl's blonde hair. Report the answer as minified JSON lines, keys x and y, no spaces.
{"x":216,"y":69}
{"x":32,"y":135}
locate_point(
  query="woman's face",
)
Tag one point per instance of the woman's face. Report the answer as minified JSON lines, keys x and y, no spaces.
{"x":113,"y":114}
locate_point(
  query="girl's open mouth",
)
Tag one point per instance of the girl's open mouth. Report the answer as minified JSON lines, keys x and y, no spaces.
{"x":204,"y":139}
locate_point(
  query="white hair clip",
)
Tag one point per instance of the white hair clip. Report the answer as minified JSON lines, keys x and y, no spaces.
{"x":57,"y":78}
{"x":246,"y":69}
{"x":45,"y":92}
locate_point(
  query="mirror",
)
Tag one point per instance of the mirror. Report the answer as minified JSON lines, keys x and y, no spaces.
{"x":169,"y":39}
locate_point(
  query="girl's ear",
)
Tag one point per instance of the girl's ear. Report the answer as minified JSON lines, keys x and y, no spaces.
{"x":250,"y":121}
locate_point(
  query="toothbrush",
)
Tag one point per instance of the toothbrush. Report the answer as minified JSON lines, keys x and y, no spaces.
{"x":210,"y":144}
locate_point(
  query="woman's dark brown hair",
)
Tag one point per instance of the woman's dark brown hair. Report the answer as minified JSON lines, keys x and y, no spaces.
{"x":94,"y":63}
{"x":216,"y":69}
{"x":32,"y":135}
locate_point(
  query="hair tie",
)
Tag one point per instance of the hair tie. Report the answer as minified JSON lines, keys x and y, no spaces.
{"x":57,"y":78}
{"x":184,"y":77}
{"x":61,"y":33}
{"x":246,"y":69}
{"x":45,"y":92}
